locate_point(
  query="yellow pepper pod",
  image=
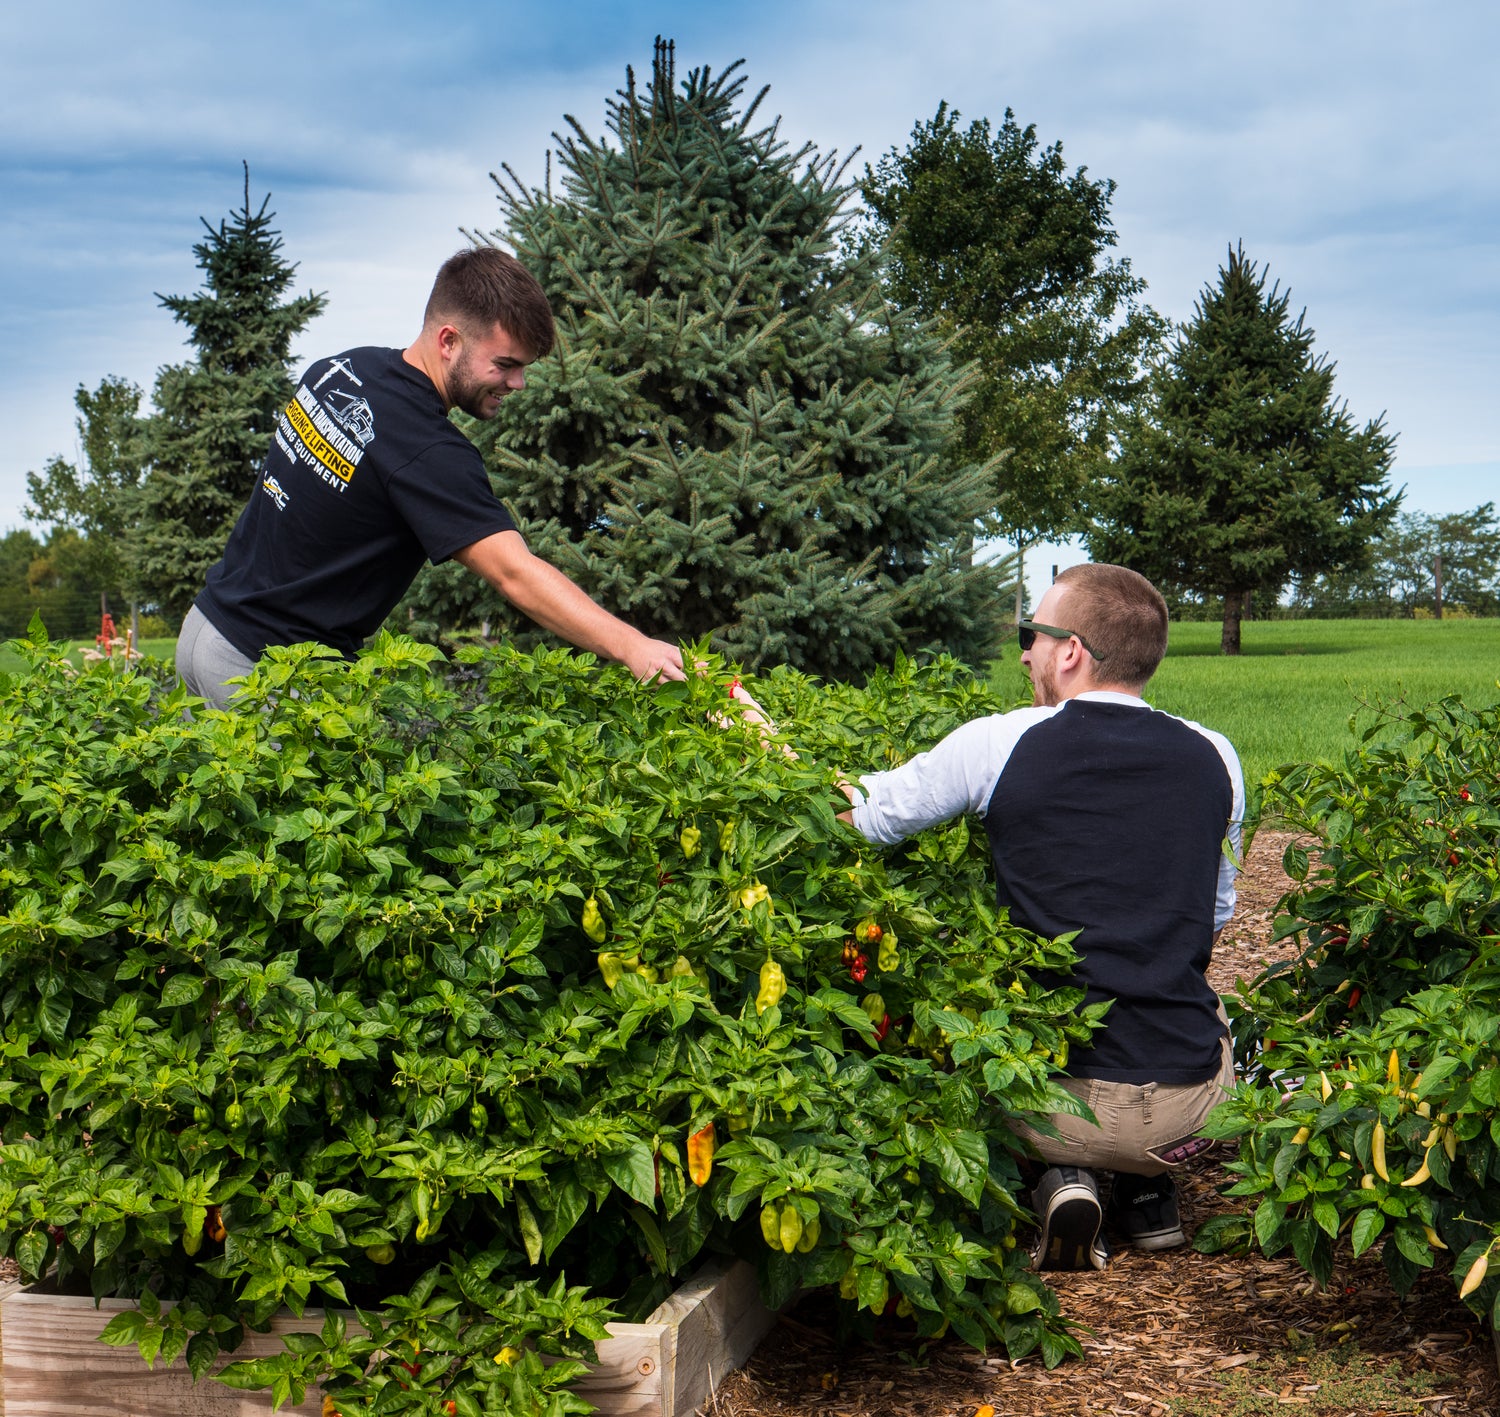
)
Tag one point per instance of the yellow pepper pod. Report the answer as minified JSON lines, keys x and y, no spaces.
{"x":1377,"y":1151}
{"x":790,"y":1231}
{"x":1422,"y":1173}
{"x":688,"y":841}
{"x":772,"y":986}
{"x":770,"y":1224}
{"x":593,"y":921}
{"x":1393,"y":1067}
{"x":1475,"y":1277}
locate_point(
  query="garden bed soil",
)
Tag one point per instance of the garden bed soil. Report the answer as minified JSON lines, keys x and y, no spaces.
{"x":1174,"y":1334}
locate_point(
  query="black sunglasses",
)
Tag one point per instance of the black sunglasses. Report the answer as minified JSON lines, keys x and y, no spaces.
{"x":1028,"y":630}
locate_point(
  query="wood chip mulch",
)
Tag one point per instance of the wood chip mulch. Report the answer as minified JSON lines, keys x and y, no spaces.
{"x":1157,"y":1329}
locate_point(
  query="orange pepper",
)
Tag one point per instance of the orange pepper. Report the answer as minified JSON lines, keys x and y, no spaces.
{"x":700,"y":1149}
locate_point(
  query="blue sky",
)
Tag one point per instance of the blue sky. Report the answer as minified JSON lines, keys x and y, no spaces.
{"x":1352,"y":147}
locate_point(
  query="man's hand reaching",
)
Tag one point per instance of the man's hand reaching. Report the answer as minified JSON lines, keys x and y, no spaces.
{"x":653,"y":660}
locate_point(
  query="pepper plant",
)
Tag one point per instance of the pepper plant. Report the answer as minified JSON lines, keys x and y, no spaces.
{"x":480,"y":1002}
{"x":1370,"y":1110}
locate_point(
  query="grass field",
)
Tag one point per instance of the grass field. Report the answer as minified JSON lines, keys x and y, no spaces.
{"x":1290,"y":694}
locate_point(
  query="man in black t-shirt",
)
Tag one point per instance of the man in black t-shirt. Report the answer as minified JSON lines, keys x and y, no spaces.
{"x":366,"y":480}
{"x":1106,"y":817}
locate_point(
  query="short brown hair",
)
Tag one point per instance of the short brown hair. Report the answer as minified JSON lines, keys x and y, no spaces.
{"x":484,"y":286}
{"x":1122,"y":615}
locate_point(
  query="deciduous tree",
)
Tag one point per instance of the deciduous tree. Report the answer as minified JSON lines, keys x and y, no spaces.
{"x":990,"y":234}
{"x":95,"y":496}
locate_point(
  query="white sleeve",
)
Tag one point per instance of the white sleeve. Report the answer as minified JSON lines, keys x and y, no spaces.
{"x":958,"y":775}
{"x":1229,"y":864}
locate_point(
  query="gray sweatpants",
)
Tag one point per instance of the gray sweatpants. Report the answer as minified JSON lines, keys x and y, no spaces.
{"x":206,"y":660}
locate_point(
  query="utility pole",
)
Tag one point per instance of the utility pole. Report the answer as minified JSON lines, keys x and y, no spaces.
{"x":1437,"y":586}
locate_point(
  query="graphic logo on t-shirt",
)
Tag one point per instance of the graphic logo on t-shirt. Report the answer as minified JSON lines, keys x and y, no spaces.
{"x":273,"y":489}
{"x":329,"y":437}
{"x":354,"y":415}
{"x":339,"y":366}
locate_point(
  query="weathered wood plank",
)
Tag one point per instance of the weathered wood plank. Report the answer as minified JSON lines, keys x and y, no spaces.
{"x":53,"y":1365}
{"x":710,"y":1326}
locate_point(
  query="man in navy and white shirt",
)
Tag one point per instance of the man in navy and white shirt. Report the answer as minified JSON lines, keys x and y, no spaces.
{"x":1107,"y":817}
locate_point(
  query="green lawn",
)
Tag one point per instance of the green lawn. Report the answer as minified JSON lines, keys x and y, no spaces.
{"x":157,"y":649}
{"x":1291,"y":693}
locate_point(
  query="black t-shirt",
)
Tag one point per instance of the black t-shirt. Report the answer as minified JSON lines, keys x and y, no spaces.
{"x":366,"y":479}
{"x":1110,"y":819}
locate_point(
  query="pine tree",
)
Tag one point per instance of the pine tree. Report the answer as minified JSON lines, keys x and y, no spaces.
{"x":737,"y":437}
{"x":1243,"y":471}
{"x":215,"y":415}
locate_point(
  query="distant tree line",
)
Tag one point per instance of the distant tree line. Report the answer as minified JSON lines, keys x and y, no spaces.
{"x":790,"y":411}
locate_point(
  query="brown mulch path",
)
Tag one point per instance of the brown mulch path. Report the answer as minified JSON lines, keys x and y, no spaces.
{"x":1157,"y":1327}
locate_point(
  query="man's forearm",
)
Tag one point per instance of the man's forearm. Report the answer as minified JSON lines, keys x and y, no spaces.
{"x":542,"y":593}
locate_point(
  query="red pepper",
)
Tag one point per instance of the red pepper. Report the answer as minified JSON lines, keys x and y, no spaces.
{"x":883,"y":1028}
{"x":1355,"y":994}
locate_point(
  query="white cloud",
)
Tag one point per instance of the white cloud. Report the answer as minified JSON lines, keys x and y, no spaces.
{"x":1352,"y":145}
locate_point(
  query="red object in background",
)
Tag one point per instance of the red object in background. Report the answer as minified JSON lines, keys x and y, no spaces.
{"x":106,"y":636}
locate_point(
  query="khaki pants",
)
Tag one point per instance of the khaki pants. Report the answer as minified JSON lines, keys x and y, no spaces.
{"x":1141,"y":1125}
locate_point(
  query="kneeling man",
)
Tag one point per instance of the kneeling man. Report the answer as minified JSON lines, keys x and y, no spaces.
{"x":1107,"y":817}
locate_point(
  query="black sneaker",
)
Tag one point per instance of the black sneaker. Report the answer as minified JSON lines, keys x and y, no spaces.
{"x":1143,"y":1211}
{"x":1066,"y":1201}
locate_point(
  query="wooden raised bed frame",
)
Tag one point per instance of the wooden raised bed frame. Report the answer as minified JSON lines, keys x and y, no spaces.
{"x":52,"y":1364}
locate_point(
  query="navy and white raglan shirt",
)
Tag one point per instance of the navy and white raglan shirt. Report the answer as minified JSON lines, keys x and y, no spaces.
{"x":1108,"y":817}
{"x":366,"y":480}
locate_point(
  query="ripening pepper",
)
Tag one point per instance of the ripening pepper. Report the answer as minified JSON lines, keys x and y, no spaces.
{"x":874,"y":1007}
{"x":1475,"y":1277}
{"x":726,"y":834}
{"x":770,"y":1224}
{"x":689,"y":840}
{"x":811,"y":1230}
{"x":867,"y":932}
{"x":772,"y":986}
{"x":849,"y":1284}
{"x":700,"y":1150}
{"x":611,"y":967}
{"x":889,"y":957}
{"x":593,"y":921}
{"x":790,"y":1231}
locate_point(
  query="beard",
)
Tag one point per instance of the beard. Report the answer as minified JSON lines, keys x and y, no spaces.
{"x":469,"y":394}
{"x":1043,"y":685}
